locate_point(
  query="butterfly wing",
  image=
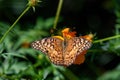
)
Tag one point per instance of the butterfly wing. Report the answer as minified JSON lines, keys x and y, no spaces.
{"x":74,"y":47}
{"x":51,"y":47}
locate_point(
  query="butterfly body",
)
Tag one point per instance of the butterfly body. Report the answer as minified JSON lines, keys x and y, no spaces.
{"x":62,"y":52}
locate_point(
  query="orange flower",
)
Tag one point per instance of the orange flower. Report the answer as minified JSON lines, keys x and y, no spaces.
{"x":26,"y":45}
{"x":88,"y":37}
{"x":80,"y":58}
{"x":67,"y":34}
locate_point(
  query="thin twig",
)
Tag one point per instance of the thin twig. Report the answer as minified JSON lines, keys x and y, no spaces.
{"x":57,"y":14}
{"x":106,"y":39}
{"x":6,"y":33}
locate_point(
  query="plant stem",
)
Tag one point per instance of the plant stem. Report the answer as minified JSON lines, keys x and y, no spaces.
{"x":57,"y":14}
{"x":3,"y":37}
{"x":105,"y":39}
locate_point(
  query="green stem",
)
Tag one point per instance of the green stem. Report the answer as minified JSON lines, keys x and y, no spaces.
{"x":3,"y":37}
{"x":105,"y":39}
{"x":57,"y":14}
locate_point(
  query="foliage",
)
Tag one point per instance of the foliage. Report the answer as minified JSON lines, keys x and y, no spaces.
{"x":20,"y":61}
{"x":111,"y":75}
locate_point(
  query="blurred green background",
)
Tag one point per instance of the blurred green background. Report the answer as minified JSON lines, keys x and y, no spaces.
{"x":18,"y":61}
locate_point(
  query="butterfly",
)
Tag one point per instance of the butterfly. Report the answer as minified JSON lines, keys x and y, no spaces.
{"x":62,"y":51}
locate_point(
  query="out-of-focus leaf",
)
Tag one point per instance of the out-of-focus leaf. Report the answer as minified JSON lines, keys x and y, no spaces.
{"x":1,"y":47}
{"x":111,"y":75}
{"x":14,"y":55}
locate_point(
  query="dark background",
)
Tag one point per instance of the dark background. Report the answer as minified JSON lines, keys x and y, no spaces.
{"x":85,"y":15}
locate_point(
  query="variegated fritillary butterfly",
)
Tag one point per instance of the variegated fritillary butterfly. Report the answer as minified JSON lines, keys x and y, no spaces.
{"x":62,"y":52}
